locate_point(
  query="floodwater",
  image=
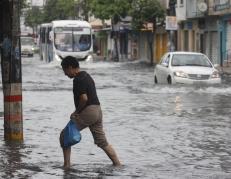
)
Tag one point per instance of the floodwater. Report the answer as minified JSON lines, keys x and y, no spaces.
{"x":158,"y":131}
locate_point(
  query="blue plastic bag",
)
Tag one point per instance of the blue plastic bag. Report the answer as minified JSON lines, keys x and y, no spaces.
{"x":71,"y":134}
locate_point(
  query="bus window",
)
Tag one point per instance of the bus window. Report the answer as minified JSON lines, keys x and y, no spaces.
{"x":72,"y":39}
{"x":63,"y":41}
{"x":82,"y":42}
{"x":48,"y":35}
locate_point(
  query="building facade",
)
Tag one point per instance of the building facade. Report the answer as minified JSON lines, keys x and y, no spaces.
{"x":222,"y":11}
{"x":205,"y":26}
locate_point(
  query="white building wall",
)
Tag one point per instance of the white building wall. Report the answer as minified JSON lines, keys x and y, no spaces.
{"x":181,"y":10}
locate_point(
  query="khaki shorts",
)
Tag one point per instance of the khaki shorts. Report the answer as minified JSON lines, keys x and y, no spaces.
{"x":91,"y":117}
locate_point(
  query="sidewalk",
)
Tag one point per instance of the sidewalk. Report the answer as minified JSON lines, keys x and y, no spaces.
{"x":98,"y":57}
{"x":226,"y":70}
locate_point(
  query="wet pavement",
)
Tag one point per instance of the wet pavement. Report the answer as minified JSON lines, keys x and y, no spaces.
{"x":158,"y":131}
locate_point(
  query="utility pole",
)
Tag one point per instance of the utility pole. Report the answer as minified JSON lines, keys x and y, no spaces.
{"x":11,"y":71}
{"x":172,"y":12}
{"x":115,"y":31}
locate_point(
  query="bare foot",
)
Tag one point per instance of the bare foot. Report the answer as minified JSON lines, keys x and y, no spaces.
{"x":118,"y":164}
{"x":66,"y":167}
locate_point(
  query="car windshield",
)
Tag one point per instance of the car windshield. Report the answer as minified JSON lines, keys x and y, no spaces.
{"x":72,"y":39}
{"x":190,"y":60}
{"x":27,"y":41}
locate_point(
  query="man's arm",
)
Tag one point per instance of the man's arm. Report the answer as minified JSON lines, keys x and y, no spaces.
{"x":82,"y":103}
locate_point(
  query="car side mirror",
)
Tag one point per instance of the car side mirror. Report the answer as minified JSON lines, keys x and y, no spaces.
{"x":165,"y":64}
{"x":216,"y":65}
{"x":51,"y":35}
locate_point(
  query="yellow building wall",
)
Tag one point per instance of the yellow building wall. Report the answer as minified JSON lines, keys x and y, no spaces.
{"x":161,"y":46}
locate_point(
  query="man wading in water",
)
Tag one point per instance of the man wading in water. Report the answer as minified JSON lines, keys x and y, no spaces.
{"x":88,"y":111}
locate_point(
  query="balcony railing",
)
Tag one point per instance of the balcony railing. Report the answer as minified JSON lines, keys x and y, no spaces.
{"x":220,"y":7}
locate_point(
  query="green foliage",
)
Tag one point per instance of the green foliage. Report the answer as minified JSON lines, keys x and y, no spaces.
{"x":59,"y":9}
{"x":146,"y":11}
{"x":22,"y":5}
{"x":140,"y":10}
{"x":51,"y":11}
{"x":110,"y":9}
{"x":84,"y":5}
{"x":33,"y":17}
{"x":67,"y":8}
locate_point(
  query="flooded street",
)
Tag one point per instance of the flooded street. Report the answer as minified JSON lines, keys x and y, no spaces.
{"x":158,"y":131}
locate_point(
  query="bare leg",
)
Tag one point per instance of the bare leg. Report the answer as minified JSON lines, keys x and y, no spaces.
{"x":112,"y":155}
{"x":66,"y":156}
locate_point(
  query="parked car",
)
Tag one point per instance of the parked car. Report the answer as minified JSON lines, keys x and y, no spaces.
{"x":27,"y":46}
{"x":186,"y":68}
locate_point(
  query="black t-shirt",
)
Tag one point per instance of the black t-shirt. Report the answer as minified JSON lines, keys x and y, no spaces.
{"x":84,"y":84}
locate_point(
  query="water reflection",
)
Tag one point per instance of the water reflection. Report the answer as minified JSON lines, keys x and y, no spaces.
{"x":11,"y":158}
{"x":91,"y":171}
{"x":178,"y":107}
{"x":223,"y":105}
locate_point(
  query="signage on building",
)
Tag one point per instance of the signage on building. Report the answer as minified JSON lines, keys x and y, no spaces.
{"x":202,"y":6}
{"x":171,"y":23}
{"x":189,"y":25}
{"x":147,"y":26}
{"x":221,"y":5}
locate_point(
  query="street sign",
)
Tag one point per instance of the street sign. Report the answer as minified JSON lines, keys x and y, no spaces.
{"x":171,"y":23}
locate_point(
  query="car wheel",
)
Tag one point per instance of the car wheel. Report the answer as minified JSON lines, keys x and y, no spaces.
{"x":169,"y":80}
{"x":155,"y":80}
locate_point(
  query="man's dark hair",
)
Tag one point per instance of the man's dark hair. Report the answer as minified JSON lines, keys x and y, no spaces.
{"x":69,"y":61}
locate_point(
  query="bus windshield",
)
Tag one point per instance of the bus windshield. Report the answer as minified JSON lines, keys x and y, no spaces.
{"x":72,"y":39}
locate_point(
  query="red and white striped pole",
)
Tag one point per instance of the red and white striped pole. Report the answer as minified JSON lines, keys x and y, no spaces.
{"x":13,"y":126}
{"x":11,"y":72}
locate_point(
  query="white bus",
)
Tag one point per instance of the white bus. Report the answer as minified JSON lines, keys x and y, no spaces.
{"x":64,"y":38}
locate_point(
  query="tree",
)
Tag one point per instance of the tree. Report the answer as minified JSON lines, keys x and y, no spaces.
{"x":51,"y":11}
{"x":114,"y":10}
{"x":147,"y":11}
{"x":59,"y":9}
{"x":33,"y":17}
{"x":22,"y":5}
{"x":84,"y":6}
{"x":67,"y":8}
